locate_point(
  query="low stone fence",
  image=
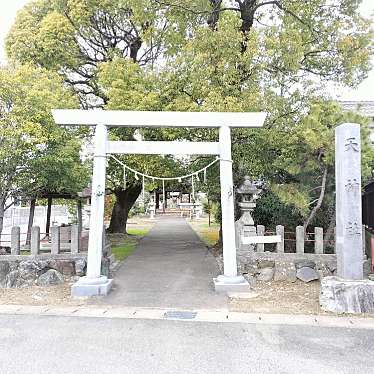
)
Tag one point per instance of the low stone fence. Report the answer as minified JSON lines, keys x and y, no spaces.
{"x":56,"y":243}
{"x":294,"y":256}
{"x":296,"y":242}
{"x":287,"y":256}
{"x":48,"y":262}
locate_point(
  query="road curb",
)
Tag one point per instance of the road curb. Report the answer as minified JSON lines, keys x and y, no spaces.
{"x":214,"y":316}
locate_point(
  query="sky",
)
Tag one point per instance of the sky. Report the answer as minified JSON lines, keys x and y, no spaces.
{"x":365,"y":91}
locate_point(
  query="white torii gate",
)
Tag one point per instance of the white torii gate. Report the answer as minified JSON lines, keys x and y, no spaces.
{"x":96,"y":284}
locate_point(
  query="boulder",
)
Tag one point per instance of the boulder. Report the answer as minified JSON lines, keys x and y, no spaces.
{"x":65,"y":267}
{"x":285,"y":271}
{"x":347,"y":296}
{"x":4,"y":270}
{"x":105,"y":266}
{"x":80,"y":266}
{"x":307,"y":274}
{"x":14,"y":280}
{"x":323,"y":270}
{"x":266,"y":274}
{"x":262,"y":264}
{"x":305,"y":264}
{"x":50,"y":278}
{"x":4,"y":250}
{"x":31,"y":267}
{"x":251,"y":279}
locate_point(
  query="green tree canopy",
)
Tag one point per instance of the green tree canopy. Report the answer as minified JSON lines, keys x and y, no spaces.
{"x":211,"y":55}
{"x":35,"y":154}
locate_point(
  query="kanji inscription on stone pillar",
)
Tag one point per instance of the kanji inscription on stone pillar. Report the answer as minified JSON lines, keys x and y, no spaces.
{"x":348,"y":201}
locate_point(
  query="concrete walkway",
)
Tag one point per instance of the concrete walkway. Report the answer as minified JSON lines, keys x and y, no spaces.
{"x":170,"y":268}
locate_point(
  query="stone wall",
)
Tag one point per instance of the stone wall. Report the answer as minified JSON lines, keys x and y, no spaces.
{"x":26,"y":271}
{"x":285,"y":267}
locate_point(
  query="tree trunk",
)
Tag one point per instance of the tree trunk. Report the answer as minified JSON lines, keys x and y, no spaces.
{"x":319,"y":201}
{"x":330,"y":232}
{"x":31,"y":221}
{"x":125,"y":199}
{"x":79,"y":215}
{"x":48,"y":223}
{"x":2,"y":212}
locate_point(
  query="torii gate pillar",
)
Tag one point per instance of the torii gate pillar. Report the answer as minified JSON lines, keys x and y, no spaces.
{"x":230,"y":280}
{"x":94,"y":283}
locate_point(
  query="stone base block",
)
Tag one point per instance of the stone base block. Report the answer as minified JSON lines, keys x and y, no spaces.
{"x":224,"y":284}
{"x":86,"y":287}
{"x":347,"y":296}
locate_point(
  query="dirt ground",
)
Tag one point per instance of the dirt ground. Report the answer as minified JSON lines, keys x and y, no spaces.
{"x":284,"y":298}
{"x":280,"y":297}
{"x":53,"y":295}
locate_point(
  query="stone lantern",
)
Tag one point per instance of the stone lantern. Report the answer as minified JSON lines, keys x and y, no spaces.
{"x":248,"y":194}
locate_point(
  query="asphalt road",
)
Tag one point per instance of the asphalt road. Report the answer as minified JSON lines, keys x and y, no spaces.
{"x":56,"y":345}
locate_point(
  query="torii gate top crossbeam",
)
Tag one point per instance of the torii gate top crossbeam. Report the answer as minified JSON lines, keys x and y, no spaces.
{"x":121,"y":118}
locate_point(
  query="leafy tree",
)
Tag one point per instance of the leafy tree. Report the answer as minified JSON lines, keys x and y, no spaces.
{"x":79,"y":39}
{"x":276,"y":57}
{"x":34,"y":151}
{"x":210,"y":55}
{"x":74,"y":37}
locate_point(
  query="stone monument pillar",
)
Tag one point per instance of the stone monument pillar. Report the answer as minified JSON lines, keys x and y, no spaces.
{"x":348,"y":201}
{"x":348,"y":292}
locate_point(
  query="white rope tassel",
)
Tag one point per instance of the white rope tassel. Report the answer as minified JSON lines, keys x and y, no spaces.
{"x":205,"y":176}
{"x":124,"y":177}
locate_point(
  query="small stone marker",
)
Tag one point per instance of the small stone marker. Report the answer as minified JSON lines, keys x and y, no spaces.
{"x":348,"y":201}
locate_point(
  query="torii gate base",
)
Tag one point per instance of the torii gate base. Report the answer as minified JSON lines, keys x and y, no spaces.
{"x":96,"y":284}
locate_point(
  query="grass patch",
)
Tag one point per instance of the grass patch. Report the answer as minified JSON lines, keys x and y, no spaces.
{"x":137,"y":232}
{"x":124,"y":249}
{"x":208,"y":234}
{"x":210,"y":237}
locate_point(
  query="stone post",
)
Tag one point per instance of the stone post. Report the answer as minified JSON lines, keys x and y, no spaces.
{"x":279,"y":230}
{"x":75,"y":239}
{"x":300,"y":239}
{"x":348,"y":201}
{"x":15,"y":246}
{"x":55,"y":240}
{"x":318,"y":240}
{"x":260,"y":232}
{"x":35,"y":240}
